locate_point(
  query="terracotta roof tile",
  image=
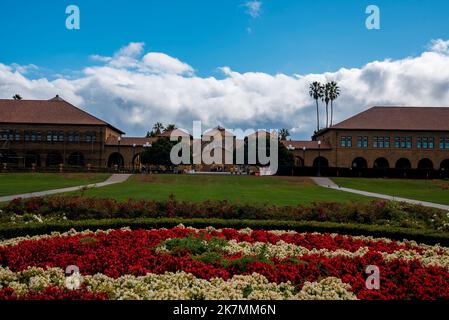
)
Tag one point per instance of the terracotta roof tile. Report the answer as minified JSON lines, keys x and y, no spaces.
{"x":399,"y":118}
{"x":53,"y":111}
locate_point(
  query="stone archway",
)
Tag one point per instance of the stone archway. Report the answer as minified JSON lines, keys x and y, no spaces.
{"x":381,"y":163}
{"x":76,"y":159}
{"x":115,"y":159}
{"x":359,"y":163}
{"x":321,"y":161}
{"x":32,"y":158}
{"x":425,"y":164}
{"x":403,"y":163}
{"x":299,"y":162}
{"x":54,"y":159}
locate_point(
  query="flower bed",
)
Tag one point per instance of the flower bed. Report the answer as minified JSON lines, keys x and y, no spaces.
{"x":187,"y":263}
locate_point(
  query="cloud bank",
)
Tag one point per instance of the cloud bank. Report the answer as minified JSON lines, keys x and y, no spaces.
{"x":133,"y":89}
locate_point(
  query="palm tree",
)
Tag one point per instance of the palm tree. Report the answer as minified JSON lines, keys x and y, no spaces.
{"x":158,"y":127}
{"x":316,"y":92}
{"x":333,"y":95}
{"x":17,"y":97}
{"x":283,"y":134}
{"x":326,"y":98}
{"x":170,"y":127}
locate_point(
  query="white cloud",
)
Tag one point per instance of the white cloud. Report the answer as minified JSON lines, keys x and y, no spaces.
{"x":440,"y":45}
{"x":253,"y":8}
{"x":132,"y":90}
{"x":161,"y":63}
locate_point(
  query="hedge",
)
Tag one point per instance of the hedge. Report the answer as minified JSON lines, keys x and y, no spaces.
{"x":395,"y":233}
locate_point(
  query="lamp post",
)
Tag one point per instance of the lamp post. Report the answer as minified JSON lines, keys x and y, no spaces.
{"x":134,"y":154}
{"x":319,"y":158}
{"x":118,"y":151}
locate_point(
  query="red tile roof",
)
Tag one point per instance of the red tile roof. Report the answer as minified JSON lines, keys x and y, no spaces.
{"x":53,"y":111}
{"x":298,"y":145}
{"x":399,"y":118}
{"x":177,"y":132}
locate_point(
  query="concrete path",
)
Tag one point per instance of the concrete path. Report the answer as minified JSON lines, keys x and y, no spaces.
{"x":113,"y":179}
{"x":328,"y":183}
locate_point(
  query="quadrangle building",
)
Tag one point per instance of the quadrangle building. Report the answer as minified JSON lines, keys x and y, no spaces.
{"x":48,"y":133}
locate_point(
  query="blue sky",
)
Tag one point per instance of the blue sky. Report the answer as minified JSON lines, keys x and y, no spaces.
{"x":270,"y":57}
{"x":289,"y":36}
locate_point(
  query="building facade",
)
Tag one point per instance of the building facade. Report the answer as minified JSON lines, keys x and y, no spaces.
{"x":54,"y":133}
{"x":381,"y":137}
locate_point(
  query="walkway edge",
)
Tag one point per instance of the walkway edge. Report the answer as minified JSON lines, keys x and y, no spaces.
{"x":329,"y":184}
{"x":113,"y":179}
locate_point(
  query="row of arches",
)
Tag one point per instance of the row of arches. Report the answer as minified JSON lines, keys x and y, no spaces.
{"x":31,"y":158}
{"x":379,"y":163}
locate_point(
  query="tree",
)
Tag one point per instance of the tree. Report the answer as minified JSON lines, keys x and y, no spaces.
{"x":333,"y":95}
{"x":17,"y":97}
{"x":170,"y":127}
{"x":316,"y":92}
{"x":326,"y":98}
{"x":158,"y":153}
{"x":158,"y":127}
{"x":285,"y":156}
{"x":283,"y":134}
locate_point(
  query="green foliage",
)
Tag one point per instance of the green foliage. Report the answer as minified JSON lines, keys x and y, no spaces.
{"x":159,"y":153}
{"x":397,"y":233}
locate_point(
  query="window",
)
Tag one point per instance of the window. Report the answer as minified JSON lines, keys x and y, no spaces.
{"x":346,"y":141}
{"x":55,"y":136}
{"x":11,"y":135}
{"x":74,"y":136}
{"x":381,"y":142}
{"x":91,"y":137}
{"x":425,"y":142}
{"x":403,"y":142}
{"x":444,"y":143}
{"x":362,"y":142}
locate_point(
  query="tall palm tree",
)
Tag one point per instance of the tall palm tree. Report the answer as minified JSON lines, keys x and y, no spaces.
{"x":158,"y":127}
{"x":316,"y":92}
{"x":333,"y":95}
{"x":326,"y":98}
{"x":170,"y":127}
{"x":283,"y":134}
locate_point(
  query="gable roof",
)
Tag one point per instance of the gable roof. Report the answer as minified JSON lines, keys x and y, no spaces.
{"x":53,"y":111}
{"x":398,"y":118}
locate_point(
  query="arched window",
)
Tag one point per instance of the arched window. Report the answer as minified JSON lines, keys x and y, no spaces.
{"x":425,"y":164}
{"x":381,"y":163}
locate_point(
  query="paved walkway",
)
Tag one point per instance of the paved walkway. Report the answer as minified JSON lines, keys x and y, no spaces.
{"x":328,"y":183}
{"x":113,"y":179}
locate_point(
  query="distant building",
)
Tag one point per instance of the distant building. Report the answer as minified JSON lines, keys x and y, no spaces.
{"x":46,"y":133}
{"x":381,"y":137}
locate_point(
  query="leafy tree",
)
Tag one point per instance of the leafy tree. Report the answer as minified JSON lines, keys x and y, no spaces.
{"x":283,"y":134}
{"x":17,"y":97}
{"x":158,"y":153}
{"x":316,"y":92}
{"x":334,"y":92}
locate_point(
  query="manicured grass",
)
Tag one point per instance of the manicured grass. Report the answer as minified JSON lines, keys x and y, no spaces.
{"x":19,"y":183}
{"x":436,"y":191}
{"x":244,"y":189}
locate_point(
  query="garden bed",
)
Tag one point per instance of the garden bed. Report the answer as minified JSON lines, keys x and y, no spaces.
{"x":187,"y":263}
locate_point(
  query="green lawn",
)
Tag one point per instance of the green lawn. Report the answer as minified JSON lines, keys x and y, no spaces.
{"x":436,"y":191}
{"x":18,"y":183}
{"x":245,"y":189}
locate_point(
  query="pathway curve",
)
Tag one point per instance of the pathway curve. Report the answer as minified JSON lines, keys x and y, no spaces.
{"x":328,"y":183}
{"x":113,"y":179}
